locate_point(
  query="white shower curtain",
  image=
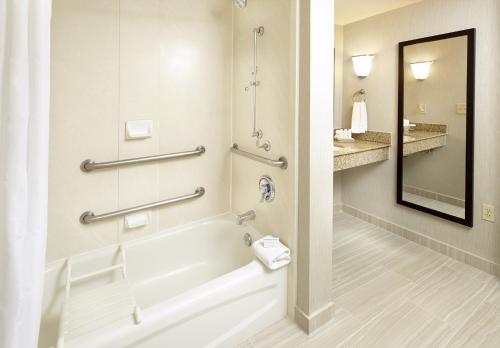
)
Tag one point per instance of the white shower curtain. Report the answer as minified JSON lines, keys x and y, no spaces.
{"x":24,"y":124}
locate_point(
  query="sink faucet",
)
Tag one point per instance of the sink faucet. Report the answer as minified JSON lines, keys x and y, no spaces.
{"x":249,"y":215}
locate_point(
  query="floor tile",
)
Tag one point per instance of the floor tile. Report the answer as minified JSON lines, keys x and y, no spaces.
{"x":343,"y":326}
{"x":246,"y":344}
{"x":391,"y":243}
{"x":283,"y":334}
{"x":451,"y":296}
{"x":415,"y":262}
{"x":494,"y":298}
{"x":371,"y":298}
{"x":352,"y":250}
{"x":401,"y":325}
{"x":464,"y":268}
{"x":358,"y":277}
{"x":481,"y":330}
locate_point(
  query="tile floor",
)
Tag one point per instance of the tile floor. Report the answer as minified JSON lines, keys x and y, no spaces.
{"x":390,"y":292}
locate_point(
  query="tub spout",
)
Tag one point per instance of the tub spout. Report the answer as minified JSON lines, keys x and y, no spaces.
{"x":249,"y":215}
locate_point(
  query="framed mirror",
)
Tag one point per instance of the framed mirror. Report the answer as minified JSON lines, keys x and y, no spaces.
{"x":436,"y":125}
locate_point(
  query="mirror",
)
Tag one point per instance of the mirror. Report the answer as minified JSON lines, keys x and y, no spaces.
{"x":436,"y":125}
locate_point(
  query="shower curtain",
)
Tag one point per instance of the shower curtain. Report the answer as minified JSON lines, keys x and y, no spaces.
{"x":24,"y":124}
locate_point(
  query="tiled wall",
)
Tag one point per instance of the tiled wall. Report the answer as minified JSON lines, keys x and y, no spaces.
{"x":113,"y":61}
{"x":275,"y":116}
{"x":275,"y":112}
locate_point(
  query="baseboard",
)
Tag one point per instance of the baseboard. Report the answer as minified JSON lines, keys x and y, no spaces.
{"x":438,"y":246}
{"x":312,"y":322}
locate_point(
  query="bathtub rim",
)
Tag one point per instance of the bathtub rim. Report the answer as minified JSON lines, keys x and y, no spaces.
{"x":226,"y":217}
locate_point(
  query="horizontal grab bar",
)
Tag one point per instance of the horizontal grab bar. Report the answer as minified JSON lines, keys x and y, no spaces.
{"x":280,"y":163}
{"x":89,"y":165}
{"x":89,"y":217}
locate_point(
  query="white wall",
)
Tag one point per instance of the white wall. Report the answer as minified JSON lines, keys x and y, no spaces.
{"x":337,"y":189}
{"x":113,"y":61}
{"x":373,"y":188}
{"x":315,"y":164}
{"x":339,"y":75}
{"x":338,"y":101}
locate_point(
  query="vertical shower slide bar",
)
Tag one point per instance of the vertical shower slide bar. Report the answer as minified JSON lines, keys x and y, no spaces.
{"x":257,"y":133}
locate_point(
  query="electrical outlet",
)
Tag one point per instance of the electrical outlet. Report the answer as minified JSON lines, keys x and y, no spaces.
{"x":461,"y":109}
{"x":489,"y":212}
{"x":422,"y":108}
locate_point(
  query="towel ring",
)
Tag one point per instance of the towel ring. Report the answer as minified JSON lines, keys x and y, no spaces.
{"x":359,"y":96}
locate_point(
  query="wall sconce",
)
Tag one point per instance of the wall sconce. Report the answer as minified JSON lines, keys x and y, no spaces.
{"x":421,"y":70}
{"x":362,"y":65}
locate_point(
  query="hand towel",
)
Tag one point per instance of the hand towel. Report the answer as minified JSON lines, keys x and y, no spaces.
{"x":359,"y":123}
{"x":272,"y":258}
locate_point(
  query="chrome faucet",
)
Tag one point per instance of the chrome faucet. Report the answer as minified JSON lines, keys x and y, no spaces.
{"x":247,"y":216}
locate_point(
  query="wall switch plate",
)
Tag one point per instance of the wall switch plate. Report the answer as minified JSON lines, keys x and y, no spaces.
{"x":489,"y":212}
{"x":422,"y":108}
{"x":461,"y":108}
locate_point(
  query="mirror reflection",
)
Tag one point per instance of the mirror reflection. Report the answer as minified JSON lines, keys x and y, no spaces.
{"x":434,"y":125}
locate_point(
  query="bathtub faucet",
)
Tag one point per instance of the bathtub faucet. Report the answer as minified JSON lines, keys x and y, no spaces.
{"x":247,"y":216}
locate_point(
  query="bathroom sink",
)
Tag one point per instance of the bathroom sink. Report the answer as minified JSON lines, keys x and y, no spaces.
{"x":407,"y":138}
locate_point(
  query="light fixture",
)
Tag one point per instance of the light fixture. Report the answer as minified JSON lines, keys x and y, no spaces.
{"x":362,"y":65}
{"x":421,"y":70}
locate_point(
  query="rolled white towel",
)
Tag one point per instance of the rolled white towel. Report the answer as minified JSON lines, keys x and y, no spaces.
{"x":273,"y":258}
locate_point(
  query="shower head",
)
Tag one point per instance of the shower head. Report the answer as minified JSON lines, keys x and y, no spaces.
{"x":240,"y":3}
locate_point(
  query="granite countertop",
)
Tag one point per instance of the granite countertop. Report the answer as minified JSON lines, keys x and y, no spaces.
{"x":356,"y":147}
{"x":419,"y":135}
{"x":367,"y":148}
{"x":424,"y":138}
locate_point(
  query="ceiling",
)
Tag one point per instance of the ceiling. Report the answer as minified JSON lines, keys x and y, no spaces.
{"x":348,"y":11}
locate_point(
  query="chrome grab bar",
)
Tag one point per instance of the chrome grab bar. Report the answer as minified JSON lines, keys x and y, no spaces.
{"x":89,"y":165}
{"x":280,"y":163}
{"x":89,"y":217}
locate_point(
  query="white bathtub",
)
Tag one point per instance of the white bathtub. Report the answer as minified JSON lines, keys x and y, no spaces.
{"x":198,"y":285}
